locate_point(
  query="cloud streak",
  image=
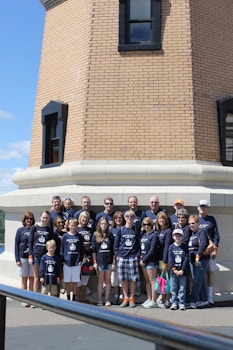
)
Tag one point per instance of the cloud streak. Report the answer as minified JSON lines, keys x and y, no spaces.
{"x":17,"y":150}
{"x":6,"y":115}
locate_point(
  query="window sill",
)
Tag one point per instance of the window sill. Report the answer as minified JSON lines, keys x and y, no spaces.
{"x":139,"y":47}
{"x":50,"y":165}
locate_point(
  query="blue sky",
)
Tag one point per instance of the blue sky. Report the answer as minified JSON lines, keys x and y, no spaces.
{"x":21,"y":35}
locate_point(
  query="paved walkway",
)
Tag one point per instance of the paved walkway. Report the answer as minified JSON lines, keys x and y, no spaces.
{"x":46,"y":330}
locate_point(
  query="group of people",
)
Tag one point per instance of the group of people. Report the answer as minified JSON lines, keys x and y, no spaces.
{"x":60,"y":253}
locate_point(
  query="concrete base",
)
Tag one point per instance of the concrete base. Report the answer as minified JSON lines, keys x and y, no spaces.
{"x":189,"y":180}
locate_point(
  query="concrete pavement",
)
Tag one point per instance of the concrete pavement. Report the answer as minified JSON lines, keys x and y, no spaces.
{"x":47,"y":330}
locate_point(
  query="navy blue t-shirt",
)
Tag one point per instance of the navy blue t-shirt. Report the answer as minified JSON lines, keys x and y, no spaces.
{"x":103,"y":249}
{"x":50,"y":267}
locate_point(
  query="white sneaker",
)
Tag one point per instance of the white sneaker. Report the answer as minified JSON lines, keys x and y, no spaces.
{"x":202,"y":304}
{"x":100,"y":303}
{"x":145,"y":302}
{"x":161,"y":304}
{"x":152,"y":304}
{"x":24,"y":304}
{"x":182,"y":307}
{"x":173,"y":307}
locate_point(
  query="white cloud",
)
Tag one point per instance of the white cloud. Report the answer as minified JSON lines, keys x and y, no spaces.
{"x":5,"y":115}
{"x":18,"y":150}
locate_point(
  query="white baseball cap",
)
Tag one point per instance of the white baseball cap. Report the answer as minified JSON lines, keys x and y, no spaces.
{"x":204,"y":202}
{"x":179,"y":231}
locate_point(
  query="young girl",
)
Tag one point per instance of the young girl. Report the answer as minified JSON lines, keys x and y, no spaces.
{"x":39,"y":235}
{"x":102,"y":245}
{"x":67,"y":210}
{"x":87,"y":268}
{"x":59,"y":231}
{"x":117,"y":222}
{"x":164,"y":233}
{"x":149,"y":261}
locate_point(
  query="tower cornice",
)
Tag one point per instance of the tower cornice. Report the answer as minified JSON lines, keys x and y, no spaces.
{"x":48,"y":4}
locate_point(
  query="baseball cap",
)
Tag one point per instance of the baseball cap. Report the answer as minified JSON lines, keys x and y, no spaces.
{"x":179,"y":201}
{"x":179,"y":231}
{"x":204,"y":202}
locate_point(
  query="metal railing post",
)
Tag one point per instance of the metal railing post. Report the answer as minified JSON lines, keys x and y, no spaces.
{"x":2,"y":321}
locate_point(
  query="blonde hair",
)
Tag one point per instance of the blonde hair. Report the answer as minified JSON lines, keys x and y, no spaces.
{"x":51,"y":242}
{"x":161,"y":214}
{"x":130,"y":212}
{"x":72,"y":221}
{"x":83,"y":213}
{"x":99,"y":236}
{"x":194,"y":217}
{"x":147,"y":220}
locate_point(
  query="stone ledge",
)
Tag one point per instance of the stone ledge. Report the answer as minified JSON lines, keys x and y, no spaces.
{"x":130,"y":173}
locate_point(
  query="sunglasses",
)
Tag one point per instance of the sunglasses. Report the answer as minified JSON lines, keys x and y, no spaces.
{"x":109,"y":203}
{"x":28,"y":218}
{"x":146,"y":224}
{"x":118,"y":217}
{"x":129,"y":216}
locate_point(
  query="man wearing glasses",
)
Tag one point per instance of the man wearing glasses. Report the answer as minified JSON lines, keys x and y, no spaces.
{"x":127,"y":253}
{"x":108,"y":211}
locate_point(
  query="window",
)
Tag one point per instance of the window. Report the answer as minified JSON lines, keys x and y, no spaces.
{"x":139,"y":25}
{"x":225,"y":119}
{"x":54,"y":120}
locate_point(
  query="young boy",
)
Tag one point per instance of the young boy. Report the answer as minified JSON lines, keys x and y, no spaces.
{"x":72,"y":253}
{"x":127,"y":252}
{"x":178,"y":261}
{"x":50,"y":268}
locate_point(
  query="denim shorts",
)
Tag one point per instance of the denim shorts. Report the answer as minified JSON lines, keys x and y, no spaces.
{"x":150,"y":266}
{"x":105,"y":267}
{"x":36,"y":261}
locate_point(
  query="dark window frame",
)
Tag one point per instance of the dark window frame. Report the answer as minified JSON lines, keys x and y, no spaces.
{"x":155,"y":43}
{"x":225,"y":107}
{"x":54,"y":121}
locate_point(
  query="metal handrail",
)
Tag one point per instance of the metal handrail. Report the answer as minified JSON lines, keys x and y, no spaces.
{"x":165,"y":336}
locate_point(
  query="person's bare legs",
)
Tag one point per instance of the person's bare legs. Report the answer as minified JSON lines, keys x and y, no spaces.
{"x":36,"y":283}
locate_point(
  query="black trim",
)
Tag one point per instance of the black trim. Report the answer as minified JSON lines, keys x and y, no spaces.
{"x":54,"y":117}
{"x":155,"y":44}
{"x":224,"y":107}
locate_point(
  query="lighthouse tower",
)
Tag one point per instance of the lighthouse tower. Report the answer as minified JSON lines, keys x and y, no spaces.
{"x":135,"y":97}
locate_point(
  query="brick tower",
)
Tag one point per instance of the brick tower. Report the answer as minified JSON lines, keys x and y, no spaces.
{"x":134,"y":97}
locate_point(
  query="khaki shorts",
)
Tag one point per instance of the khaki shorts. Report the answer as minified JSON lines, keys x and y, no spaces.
{"x":49,"y":289}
